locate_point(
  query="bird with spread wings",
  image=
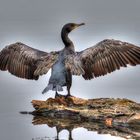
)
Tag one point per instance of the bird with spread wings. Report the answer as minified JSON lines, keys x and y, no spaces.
{"x":103,"y":58}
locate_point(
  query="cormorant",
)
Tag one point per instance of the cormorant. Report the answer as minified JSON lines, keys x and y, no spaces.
{"x":98,"y":60}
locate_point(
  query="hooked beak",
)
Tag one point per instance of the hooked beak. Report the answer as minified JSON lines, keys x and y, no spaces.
{"x":77,"y":25}
{"x":81,"y":24}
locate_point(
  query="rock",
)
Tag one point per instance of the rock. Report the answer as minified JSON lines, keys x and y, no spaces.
{"x":106,"y":115}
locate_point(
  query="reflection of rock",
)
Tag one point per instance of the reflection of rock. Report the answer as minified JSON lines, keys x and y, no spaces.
{"x":119,"y":117}
{"x":69,"y":124}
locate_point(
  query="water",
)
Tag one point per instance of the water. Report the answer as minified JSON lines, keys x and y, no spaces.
{"x":16,"y":95}
{"x":14,"y":126}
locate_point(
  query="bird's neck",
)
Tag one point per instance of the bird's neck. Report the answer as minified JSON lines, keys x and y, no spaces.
{"x":66,"y":40}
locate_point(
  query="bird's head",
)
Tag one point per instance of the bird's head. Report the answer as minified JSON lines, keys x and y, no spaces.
{"x":71,"y":26}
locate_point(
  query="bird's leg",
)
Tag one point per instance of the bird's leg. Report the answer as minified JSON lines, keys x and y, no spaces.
{"x":57,"y":137}
{"x":68,"y":89}
{"x":70,"y":135}
{"x":68,"y":92}
{"x":69,"y":83}
{"x":56,"y":94}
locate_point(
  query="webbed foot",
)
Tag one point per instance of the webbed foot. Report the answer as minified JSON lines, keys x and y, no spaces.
{"x":67,"y":96}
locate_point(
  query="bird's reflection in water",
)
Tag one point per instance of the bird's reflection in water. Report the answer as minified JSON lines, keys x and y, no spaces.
{"x":54,"y":138}
{"x":60,"y":125}
{"x":69,"y":137}
{"x":70,"y":124}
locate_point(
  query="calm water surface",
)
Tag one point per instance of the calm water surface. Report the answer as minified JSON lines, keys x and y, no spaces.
{"x":16,"y":126}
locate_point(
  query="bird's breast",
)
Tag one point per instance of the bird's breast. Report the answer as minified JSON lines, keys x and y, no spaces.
{"x":59,"y":66}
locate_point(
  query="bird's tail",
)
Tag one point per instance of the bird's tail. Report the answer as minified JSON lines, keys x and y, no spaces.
{"x":53,"y":88}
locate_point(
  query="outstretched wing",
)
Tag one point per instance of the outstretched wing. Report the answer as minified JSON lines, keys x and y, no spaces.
{"x":103,"y":58}
{"x":26,"y":62}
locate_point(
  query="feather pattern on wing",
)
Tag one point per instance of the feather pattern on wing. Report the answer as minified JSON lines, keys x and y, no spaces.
{"x":26,"y":62}
{"x":103,"y":58}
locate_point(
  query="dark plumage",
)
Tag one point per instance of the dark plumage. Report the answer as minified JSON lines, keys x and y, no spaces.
{"x":98,"y":60}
